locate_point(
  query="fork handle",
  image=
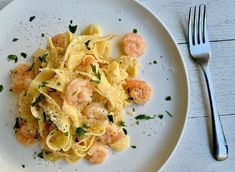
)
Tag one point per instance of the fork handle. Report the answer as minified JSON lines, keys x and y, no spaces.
{"x":220,"y":147}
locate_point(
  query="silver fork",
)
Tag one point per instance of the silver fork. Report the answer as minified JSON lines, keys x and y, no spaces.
{"x":201,"y":52}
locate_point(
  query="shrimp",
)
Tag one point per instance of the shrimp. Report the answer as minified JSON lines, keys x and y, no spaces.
{"x":133,"y":44}
{"x":139,"y":90}
{"x":97,"y":154}
{"x":23,"y":134}
{"x":21,"y":77}
{"x":58,"y":40}
{"x":78,"y":91}
{"x":95,"y":111}
{"x":85,"y":66}
{"x":113,"y":134}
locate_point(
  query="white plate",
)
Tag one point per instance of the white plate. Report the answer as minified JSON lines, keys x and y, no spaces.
{"x":155,"y":139}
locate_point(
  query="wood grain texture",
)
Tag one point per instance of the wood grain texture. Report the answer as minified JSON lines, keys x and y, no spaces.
{"x":193,"y":152}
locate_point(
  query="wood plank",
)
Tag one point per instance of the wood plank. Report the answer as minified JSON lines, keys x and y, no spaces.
{"x":223,"y":75}
{"x":174,"y":13}
{"x":193,"y":153}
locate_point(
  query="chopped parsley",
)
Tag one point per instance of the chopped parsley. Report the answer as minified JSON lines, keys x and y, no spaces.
{"x":38,"y":100}
{"x":17,"y":124}
{"x":143,"y":117}
{"x":40,"y":155}
{"x":44,"y":116}
{"x":122,"y":124}
{"x":1,"y":88}
{"x":135,"y":30}
{"x":168,"y":98}
{"x":42,"y":34}
{"x":130,"y":98}
{"x":133,"y":109}
{"x":80,"y":132}
{"x":72,"y":28}
{"x":133,"y":146}
{"x":12,"y":57}
{"x":31,"y":18}
{"x":43,"y":84}
{"x":23,"y":165}
{"x":85,"y":125}
{"x":169,"y":113}
{"x":31,"y":67}
{"x":154,"y":62}
{"x":58,"y":84}
{"x":125,"y":131}
{"x":66,"y":134}
{"x":87,"y":44}
{"x":93,"y":68}
{"x":97,"y":74}
{"x":43,"y":58}
{"x":160,"y":116}
{"x":24,"y":55}
{"x":110,"y":117}
{"x":15,"y":39}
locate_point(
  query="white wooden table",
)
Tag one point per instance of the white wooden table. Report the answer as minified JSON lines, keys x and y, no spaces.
{"x":193,"y":152}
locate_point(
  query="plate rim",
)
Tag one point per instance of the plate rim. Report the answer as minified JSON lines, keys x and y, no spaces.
{"x":186,"y":79}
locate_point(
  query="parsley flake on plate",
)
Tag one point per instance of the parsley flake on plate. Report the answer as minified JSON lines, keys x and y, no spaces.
{"x":12,"y":57}
{"x":143,"y":117}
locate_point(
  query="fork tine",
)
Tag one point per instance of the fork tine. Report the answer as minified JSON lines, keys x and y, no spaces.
{"x":190,"y":28}
{"x":195,"y":41}
{"x":205,"y":34}
{"x":200,"y":25}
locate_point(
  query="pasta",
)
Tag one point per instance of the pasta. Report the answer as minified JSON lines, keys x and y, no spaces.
{"x":73,"y":105}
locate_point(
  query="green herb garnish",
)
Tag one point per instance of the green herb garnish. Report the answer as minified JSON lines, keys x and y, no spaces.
{"x":72,"y":28}
{"x":135,"y":30}
{"x":85,"y":125}
{"x":133,"y":109}
{"x":160,"y":116}
{"x":97,"y":74}
{"x":143,"y":117}
{"x":24,"y":55}
{"x":168,"y":98}
{"x":80,"y":132}
{"x":154,"y":62}
{"x":58,"y":84}
{"x":40,"y":155}
{"x":131,"y":98}
{"x":110,"y":117}
{"x":122,"y":124}
{"x":31,"y":67}
{"x":17,"y":124}
{"x":15,"y":39}
{"x":125,"y":131}
{"x":133,"y":146}
{"x":93,"y":68}
{"x":31,"y":18}
{"x":1,"y":88}
{"x":43,"y":58}
{"x":87,"y":44}
{"x":169,"y":113}
{"x":66,"y":134}
{"x":42,"y":34}
{"x":43,"y":84}
{"x":13,"y":57}
{"x":38,"y":100}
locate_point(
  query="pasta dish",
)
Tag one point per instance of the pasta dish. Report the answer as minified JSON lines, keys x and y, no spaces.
{"x":72,"y":97}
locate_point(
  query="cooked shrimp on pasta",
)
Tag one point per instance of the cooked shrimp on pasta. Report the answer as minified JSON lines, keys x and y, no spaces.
{"x":72,"y":97}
